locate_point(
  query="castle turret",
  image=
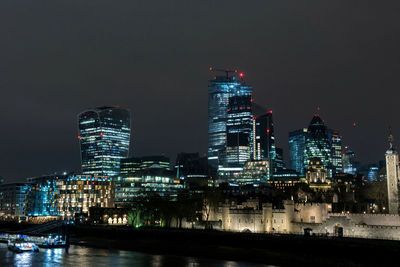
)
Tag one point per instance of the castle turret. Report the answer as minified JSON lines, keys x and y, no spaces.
{"x":392,"y":177}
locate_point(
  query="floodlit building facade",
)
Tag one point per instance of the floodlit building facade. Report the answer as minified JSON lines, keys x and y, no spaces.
{"x":300,"y":219}
{"x":104,"y":137}
{"x":316,"y":172}
{"x":77,"y":193}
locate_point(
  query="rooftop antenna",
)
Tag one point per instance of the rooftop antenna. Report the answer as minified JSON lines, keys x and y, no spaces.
{"x":227,"y":71}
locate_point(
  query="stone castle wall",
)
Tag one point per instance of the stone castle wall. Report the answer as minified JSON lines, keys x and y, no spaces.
{"x":294,"y":218}
{"x":350,"y":228}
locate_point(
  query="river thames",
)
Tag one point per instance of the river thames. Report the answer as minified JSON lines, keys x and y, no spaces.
{"x":83,"y":256}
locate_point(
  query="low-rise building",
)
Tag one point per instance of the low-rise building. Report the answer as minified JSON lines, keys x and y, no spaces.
{"x":148,"y":182}
{"x":255,"y":172}
{"x":40,"y":199}
{"x":12,"y":198}
{"x":77,"y":193}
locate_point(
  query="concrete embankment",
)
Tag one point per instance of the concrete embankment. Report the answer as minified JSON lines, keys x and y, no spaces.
{"x":282,"y":250}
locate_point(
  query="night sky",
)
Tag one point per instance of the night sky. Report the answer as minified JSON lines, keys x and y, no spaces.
{"x":58,"y":58}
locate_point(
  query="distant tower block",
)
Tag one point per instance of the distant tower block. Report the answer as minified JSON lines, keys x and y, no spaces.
{"x":392,"y":176}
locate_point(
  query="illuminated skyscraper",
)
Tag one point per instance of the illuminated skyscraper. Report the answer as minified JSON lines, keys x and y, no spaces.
{"x":264,"y":140}
{"x":297,"y":141}
{"x":336,"y":149}
{"x":221,"y":88}
{"x":239,"y":132}
{"x":349,"y":164}
{"x":104,"y":136}
{"x":317,"y":144}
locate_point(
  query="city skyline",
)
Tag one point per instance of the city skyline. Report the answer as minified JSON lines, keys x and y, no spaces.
{"x":172,"y":157}
{"x":295,"y":60}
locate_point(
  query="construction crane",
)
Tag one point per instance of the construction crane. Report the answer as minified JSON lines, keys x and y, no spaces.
{"x":227,"y":71}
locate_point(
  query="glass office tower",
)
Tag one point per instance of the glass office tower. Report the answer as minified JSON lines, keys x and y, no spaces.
{"x":349,"y":164}
{"x":297,"y":141}
{"x":104,"y":136}
{"x":239,"y":132}
{"x":336,"y":149}
{"x":221,"y":88}
{"x":279,"y":163}
{"x":317,"y":144}
{"x":264,"y":139}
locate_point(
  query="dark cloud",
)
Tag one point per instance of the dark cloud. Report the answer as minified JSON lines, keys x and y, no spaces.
{"x":59,"y":57}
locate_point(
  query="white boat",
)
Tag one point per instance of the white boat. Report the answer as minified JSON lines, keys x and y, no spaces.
{"x":22,"y":246}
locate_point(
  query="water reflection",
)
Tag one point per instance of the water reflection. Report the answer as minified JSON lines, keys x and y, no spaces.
{"x":156,"y":261}
{"x":53,"y":257}
{"x":192,"y":262}
{"x":82,"y":256}
{"x":23,"y":259}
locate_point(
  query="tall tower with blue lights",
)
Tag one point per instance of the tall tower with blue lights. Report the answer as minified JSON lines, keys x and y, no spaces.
{"x":297,"y":142}
{"x":104,"y":137}
{"x":221,"y":89}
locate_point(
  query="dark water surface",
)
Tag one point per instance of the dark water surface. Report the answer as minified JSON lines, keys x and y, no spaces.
{"x":83,"y":256}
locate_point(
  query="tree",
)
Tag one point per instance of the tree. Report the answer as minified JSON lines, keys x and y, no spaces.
{"x":210,"y":200}
{"x":134,"y":217}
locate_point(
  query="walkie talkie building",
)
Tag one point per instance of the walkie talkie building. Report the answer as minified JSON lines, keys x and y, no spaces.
{"x":104,"y":137}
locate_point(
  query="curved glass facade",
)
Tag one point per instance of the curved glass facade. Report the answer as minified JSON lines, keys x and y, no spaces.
{"x":104,"y":137}
{"x":317,"y":144}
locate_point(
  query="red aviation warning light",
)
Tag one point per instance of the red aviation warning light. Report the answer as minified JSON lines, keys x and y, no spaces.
{"x":355,"y":124}
{"x":241,"y":75}
{"x":227,"y":71}
{"x":79,"y":137}
{"x":101,"y":134}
